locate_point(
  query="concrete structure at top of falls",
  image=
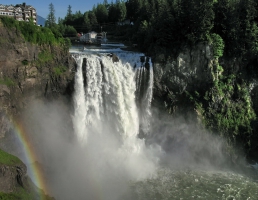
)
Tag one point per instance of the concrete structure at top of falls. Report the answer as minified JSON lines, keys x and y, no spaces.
{"x":112,"y":96}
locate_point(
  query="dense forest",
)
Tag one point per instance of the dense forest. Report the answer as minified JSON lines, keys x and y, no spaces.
{"x":169,"y":24}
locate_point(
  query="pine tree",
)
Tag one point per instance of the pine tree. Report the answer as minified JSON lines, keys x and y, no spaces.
{"x":93,"y":19}
{"x":51,"y":19}
{"x":133,"y":8}
{"x":101,"y":13}
{"x":69,"y":11}
{"x":121,"y":10}
{"x":69,"y":18}
{"x":86,"y":22}
{"x":112,"y":13}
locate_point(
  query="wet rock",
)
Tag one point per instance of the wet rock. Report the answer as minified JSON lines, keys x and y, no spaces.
{"x":114,"y":57}
{"x":12,"y":176}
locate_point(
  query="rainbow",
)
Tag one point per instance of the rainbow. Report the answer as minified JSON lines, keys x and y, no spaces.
{"x":30,"y":156}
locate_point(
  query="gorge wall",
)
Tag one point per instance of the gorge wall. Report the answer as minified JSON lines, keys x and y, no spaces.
{"x":27,"y":72}
{"x":30,"y":71}
{"x":209,"y":91}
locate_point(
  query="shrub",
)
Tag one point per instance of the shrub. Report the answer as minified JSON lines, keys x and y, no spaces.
{"x":7,"y":81}
{"x":9,"y":22}
{"x":218,"y":45}
{"x":8,"y":159}
{"x":35,"y":34}
{"x":44,"y":56}
{"x":59,"y":70}
{"x":25,"y":62}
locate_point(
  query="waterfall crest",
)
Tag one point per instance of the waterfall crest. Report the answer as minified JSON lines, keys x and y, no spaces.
{"x":112,"y":97}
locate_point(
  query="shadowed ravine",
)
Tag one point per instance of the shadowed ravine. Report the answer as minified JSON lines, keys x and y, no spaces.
{"x":94,"y":151}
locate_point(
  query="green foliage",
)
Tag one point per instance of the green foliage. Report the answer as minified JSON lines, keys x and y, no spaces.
{"x":7,"y":81}
{"x":8,"y":159}
{"x":25,"y":62}
{"x":227,"y":109}
{"x":11,"y":196}
{"x":69,"y":13}
{"x":86,"y":22}
{"x":70,"y":31}
{"x":29,"y":31}
{"x":217,"y":44}
{"x":101,"y":13}
{"x":112,"y":13}
{"x":22,"y":194}
{"x":35,"y":34}
{"x":59,"y":70}
{"x":236,"y":23}
{"x":51,"y":19}
{"x":134,"y":8}
{"x":8,"y":22}
{"x":121,"y":10}
{"x":43,"y":58}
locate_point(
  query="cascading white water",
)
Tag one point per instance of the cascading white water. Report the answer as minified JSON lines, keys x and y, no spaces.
{"x":144,"y":78}
{"x":110,"y":125}
{"x":111,"y":101}
{"x":105,"y":99}
{"x":79,"y":103}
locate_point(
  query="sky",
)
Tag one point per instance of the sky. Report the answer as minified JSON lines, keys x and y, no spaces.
{"x":61,"y":6}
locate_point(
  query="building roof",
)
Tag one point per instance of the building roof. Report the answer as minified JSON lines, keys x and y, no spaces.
{"x":25,"y":6}
{"x":17,"y":6}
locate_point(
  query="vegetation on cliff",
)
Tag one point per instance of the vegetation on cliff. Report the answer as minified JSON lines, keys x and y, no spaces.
{"x":35,"y":34}
{"x":19,"y":186}
{"x":40,"y":56}
{"x":23,"y":194}
{"x":8,"y":159}
{"x":31,"y":60}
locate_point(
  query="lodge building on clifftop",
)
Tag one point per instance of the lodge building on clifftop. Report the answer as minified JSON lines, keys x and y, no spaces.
{"x":20,"y":12}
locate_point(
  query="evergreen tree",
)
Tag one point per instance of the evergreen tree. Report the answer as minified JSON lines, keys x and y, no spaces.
{"x":165,"y":27}
{"x":248,"y":28}
{"x":133,"y":8}
{"x":121,"y":10}
{"x":69,"y":18}
{"x":106,"y":4}
{"x":112,"y":13}
{"x":51,"y":19}
{"x":86,"y":23}
{"x":195,"y":19}
{"x":93,"y":19}
{"x":69,"y":13}
{"x":78,"y":21}
{"x":101,"y":13}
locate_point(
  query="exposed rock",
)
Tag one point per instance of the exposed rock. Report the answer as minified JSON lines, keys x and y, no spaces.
{"x":14,"y":179}
{"x":114,"y":57}
{"x":4,"y":125}
{"x":11,"y":177}
{"x":193,"y":69}
{"x":24,"y":76}
{"x":19,"y":84}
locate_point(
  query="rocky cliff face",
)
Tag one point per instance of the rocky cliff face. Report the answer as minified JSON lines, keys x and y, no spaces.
{"x":193,"y":69}
{"x":14,"y":182}
{"x":12,"y":177}
{"x":29,"y":71}
{"x":227,"y":101}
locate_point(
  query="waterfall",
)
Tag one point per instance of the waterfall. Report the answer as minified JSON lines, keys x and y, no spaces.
{"x":79,"y":117}
{"x":144,"y":85}
{"x":112,"y":97}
